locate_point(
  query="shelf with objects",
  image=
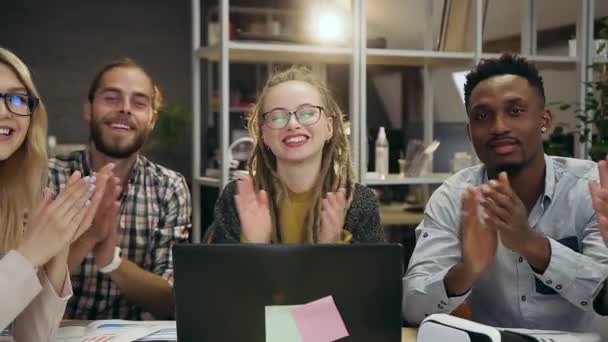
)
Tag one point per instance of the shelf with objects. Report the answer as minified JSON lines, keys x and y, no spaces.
{"x":431,"y":72}
{"x":239,"y":43}
{"x":399,"y":81}
{"x":450,"y":37}
{"x":427,"y":57}
{"x":397,"y":84}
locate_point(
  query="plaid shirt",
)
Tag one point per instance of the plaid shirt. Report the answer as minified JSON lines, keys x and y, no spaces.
{"x":155,"y":213}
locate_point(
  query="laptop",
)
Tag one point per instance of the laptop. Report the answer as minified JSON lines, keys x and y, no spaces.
{"x":222,"y":290}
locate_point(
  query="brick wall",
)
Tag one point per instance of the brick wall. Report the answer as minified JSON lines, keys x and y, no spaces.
{"x":65,"y":41}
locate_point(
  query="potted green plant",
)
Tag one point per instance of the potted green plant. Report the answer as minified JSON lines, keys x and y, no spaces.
{"x":559,"y":143}
{"x":169,"y":144}
{"x":171,"y":128}
{"x":593,"y":112}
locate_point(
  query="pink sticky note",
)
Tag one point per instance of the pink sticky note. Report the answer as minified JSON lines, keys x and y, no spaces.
{"x":319,"y":321}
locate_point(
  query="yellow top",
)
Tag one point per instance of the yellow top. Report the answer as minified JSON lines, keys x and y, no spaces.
{"x":292,"y":212}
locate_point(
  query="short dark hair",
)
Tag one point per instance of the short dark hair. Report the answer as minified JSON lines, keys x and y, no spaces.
{"x":506,"y":64}
{"x":125,"y":62}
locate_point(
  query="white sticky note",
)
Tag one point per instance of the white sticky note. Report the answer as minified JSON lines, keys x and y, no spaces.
{"x":280,"y":325}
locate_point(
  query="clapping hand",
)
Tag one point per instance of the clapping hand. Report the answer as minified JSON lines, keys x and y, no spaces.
{"x":479,"y":236}
{"x":252,"y":207}
{"x":54,"y":224}
{"x":333,"y":214}
{"x":599,"y":198}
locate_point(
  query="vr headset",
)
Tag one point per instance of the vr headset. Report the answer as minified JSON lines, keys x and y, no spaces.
{"x":442,"y":327}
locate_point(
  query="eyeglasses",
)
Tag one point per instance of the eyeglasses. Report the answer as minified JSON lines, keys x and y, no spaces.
{"x":20,"y":104}
{"x":279,"y":118}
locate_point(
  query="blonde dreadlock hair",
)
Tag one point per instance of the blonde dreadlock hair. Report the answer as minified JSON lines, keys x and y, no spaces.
{"x":336,"y":166}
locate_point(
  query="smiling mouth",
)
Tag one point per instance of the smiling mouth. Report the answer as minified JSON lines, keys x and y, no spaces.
{"x":120,"y":126}
{"x":295,"y":139}
{"x":6,"y":132}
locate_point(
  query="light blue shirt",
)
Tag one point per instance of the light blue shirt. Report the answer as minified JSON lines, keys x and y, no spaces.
{"x":509,"y":293}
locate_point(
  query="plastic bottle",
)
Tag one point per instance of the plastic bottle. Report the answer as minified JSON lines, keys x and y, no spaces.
{"x":52,"y":145}
{"x":382,"y":154}
{"x":461,"y":160}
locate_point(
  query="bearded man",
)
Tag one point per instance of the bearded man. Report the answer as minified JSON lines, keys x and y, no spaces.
{"x":122,"y":267}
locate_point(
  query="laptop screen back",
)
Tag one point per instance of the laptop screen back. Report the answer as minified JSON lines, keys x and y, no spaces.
{"x":222,"y":290}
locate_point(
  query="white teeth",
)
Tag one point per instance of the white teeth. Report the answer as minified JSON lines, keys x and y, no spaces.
{"x":121,"y":126}
{"x":295,"y":139}
{"x":5,"y":131}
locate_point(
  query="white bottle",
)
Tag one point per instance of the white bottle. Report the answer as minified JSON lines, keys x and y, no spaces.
{"x":382,"y":154}
{"x":51,"y":145}
{"x":461,"y":160}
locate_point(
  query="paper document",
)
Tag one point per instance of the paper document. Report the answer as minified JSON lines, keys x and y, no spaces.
{"x":320,"y":321}
{"x":556,"y":336}
{"x":167,"y":332}
{"x":280,"y":326}
{"x":119,"y":331}
{"x":317,"y":321}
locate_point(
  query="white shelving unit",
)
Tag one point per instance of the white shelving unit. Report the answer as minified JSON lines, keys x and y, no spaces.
{"x":277,"y":52}
{"x":393,"y":179}
{"x":359,"y":57}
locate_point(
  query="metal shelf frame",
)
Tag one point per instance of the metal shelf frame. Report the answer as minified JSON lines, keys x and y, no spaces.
{"x":359,"y":57}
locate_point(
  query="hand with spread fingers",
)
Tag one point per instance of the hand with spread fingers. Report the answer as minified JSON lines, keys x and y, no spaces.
{"x":599,"y":198}
{"x":252,"y":207}
{"x":333,"y":214}
{"x":54,"y":224}
{"x":479,"y":237}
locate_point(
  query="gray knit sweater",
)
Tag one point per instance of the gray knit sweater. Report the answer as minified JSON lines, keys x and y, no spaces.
{"x":362,"y":218}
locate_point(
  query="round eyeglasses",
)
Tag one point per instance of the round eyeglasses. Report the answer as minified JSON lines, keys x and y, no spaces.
{"x":20,"y":104}
{"x":279,"y":118}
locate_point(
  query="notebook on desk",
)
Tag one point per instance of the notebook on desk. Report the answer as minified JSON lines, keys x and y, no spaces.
{"x":222,"y":290}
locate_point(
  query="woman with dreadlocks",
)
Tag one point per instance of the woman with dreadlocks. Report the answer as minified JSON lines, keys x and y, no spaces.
{"x":300,"y":187}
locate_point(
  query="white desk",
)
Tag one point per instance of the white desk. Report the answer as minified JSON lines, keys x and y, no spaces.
{"x":407,"y":334}
{"x":395,"y":216}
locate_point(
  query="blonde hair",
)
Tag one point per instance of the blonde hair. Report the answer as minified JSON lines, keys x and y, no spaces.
{"x":336,"y":166}
{"x":24,"y":174}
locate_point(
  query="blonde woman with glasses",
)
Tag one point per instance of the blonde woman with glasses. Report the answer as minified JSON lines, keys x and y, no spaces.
{"x":35,"y":229}
{"x":300,"y":187}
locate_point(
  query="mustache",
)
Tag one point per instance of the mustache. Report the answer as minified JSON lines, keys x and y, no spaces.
{"x":501,"y":141}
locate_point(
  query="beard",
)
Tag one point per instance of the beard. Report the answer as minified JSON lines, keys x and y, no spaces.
{"x":511,"y":164}
{"x":113,"y":148}
{"x":510,"y":169}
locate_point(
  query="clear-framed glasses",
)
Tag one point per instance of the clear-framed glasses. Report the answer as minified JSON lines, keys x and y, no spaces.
{"x":279,"y":118}
{"x":20,"y":104}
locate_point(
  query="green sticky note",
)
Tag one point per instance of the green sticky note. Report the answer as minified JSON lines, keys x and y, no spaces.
{"x":280,"y":326}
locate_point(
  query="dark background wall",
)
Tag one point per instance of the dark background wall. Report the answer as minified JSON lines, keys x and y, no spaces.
{"x":66,"y":41}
